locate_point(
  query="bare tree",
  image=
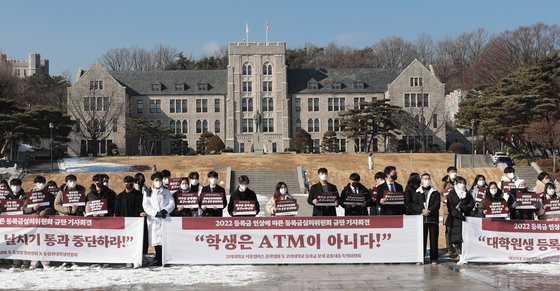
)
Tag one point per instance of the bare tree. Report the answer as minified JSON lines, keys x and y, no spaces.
{"x":94,"y":115}
{"x":163,"y":56}
{"x":393,"y":53}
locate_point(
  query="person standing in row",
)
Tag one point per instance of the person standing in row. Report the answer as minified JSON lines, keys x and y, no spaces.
{"x":459,"y":205}
{"x":129,"y":203}
{"x":426,"y":201}
{"x":280,"y":193}
{"x":157,"y":203}
{"x":100,"y":190}
{"x":213,"y":187}
{"x":323,"y":186}
{"x":243,"y":193}
{"x":354,"y":187}
{"x":412,"y":185}
{"x":375,"y":208}
{"x":390,"y":185}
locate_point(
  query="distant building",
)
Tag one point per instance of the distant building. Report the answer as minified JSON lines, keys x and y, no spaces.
{"x":33,"y":65}
{"x":257,"y":83}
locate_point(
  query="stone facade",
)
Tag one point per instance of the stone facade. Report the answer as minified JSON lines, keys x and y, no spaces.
{"x":33,"y":65}
{"x":256,"y":89}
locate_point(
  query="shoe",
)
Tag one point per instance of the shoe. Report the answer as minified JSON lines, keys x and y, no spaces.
{"x":32,"y":267}
{"x":129,"y":265}
{"x":435,"y":262}
{"x":95,"y":266}
{"x":136,"y":266}
{"x":105,"y":266}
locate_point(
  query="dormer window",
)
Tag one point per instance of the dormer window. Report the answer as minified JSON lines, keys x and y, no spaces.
{"x":336,"y":85}
{"x":156,"y":87}
{"x":179,"y":87}
{"x":312,"y":85}
{"x":358,"y":85}
{"x":202,"y":86}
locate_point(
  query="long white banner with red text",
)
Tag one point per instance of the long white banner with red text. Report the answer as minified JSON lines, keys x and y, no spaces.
{"x":505,"y":241}
{"x":299,"y":240}
{"x":72,"y":239}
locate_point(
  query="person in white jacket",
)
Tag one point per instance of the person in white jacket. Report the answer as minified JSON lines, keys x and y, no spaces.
{"x":158,"y":203}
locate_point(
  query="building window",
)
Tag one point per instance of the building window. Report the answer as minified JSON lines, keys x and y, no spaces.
{"x":78,"y":127}
{"x":268,"y":124}
{"x":426,"y":102}
{"x":267,"y":86}
{"x":267,"y":104}
{"x":342,"y":145}
{"x":96,"y":104}
{"x":201,"y":105}
{"x":336,"y":85}
{"x":172,"y":106}
{"x":359,"y":102}
{"x":177,"y":105}
{"x":248,"y":87}
{"x":198,"y":126}
{"x":156,"y":87}
{"x":115,"y":124}
{"x":333,"y":124}
{"x":247,"y":70}
{"x":216,"y":105}
{"x":179,"y":87}
{"x":312,"y":85}
{"x":416,"y":82}
{"x":434,"y":121}
{"x":406,"y":100}
{"x":155,"y":106}
{"x":274,"y":147}
{"x":246,"y":104}
{"x":313,"y":125}
{"x":312,"y":104}
{"x":95,"y":85}
{"x":217,"y":126}
{"x":241,"y":147}
{"x":267,"y":69}
{"x":298,"y":125}
{"x":358,"y":85}
{"x":185,"y":127}
{"x":246,"y":125}
{"x":140,"y":106}
{"x":316,"y":145}
{"x":336,"y":104}
{"x":204,"y":125}
{"x":184,"y":105}
{"x":430,"y":139}
{"x":202,"y":86}
{"x":172,"y":125}
{"x":298,"y":104}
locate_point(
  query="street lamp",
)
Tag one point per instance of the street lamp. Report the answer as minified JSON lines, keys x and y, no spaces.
{"x":472,"y":143}
{"x":51,"y":126}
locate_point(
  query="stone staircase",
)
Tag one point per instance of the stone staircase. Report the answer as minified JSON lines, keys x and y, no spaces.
{"x":263,"y":182}
{"x":528,"y":174}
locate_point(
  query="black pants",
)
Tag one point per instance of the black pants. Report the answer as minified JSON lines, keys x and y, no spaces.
{"x":158,"y":255}
{"x":433,"y":229}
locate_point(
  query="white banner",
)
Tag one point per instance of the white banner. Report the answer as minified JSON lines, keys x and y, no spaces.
{"x":72,"y":239}
{"x":293,"y":240}
{"x":503,"y":241}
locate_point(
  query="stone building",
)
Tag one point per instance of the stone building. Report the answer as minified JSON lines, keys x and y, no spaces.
{"x":258,"y":102}
{"x":33,"y":65}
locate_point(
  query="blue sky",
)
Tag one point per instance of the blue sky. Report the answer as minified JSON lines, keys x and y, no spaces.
{"x":74,"y":34}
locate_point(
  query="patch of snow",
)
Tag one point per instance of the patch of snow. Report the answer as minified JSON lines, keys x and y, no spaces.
{"x":532,"y":268}
{"x":85,"y":277}
{"x":73,"y":165}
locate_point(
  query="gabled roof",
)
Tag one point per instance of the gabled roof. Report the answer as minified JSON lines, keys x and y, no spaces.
{"x":375,"y":80}
{"x":140,"y":82}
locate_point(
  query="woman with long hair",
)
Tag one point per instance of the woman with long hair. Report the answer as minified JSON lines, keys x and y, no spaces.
{"x":280,"y":193}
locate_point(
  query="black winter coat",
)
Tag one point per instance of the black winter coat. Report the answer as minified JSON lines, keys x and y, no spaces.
{"x":247,"y":195}
{"x":458,"y":210}
{"x":392,"y":209}
{"x":358,"y":210}
{"x":209,"y":211}
{"x":321,"y":210}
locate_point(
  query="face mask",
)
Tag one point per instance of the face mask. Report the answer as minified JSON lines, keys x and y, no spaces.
{"x":283,"y":191}
{"x":242,"y":188}
{"x":323,"y":177}
{"x":213,"y":181}
{"x":394,"y":177}
{"x":71,"y":184}
{"x":426,"y":183}
{"x":194,"y":182}
{"x":480,"y":183}
{"x":157,"y":184}
{"x":15,"y":189}
{"x":550,"y":191}
{"x":105,"y":184}
{"x":165,"y":181}
{"x":128,"y":186}
{"x":99,"y":184}
{"x":137,"y":186}
{"x":461,"y":187}
{"x":452,"y":175}
{"x":511,"y":175}
{"x":546,"y":181}
{"x":354,"y":184}
{"x":40,"y":186}
{"x":493,"y":191}
{"x":184,"y":187}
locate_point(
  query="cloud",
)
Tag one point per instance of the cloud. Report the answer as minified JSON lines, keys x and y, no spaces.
{"x":210,"y":48}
